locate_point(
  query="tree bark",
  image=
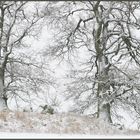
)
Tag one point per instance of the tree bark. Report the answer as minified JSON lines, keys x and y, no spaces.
{"x":104,"y":113}
{"x":102,"y":63}
{"x":104,"y":108}
{"x":3,"y":102}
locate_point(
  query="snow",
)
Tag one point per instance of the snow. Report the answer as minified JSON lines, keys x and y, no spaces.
{"x":63,"y":125}
{"x":58,"y":136}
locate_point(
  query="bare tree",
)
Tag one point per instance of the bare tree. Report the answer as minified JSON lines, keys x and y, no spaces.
{"x":18,"y":21}
{"x":106,"y":31}
{"x":27,"y":79}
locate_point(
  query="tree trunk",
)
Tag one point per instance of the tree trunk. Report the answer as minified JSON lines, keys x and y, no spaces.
{"x":102,"y":65}
{"x":104,"y":113}
{"x":104,"y":108}
{"x":3,"y":103}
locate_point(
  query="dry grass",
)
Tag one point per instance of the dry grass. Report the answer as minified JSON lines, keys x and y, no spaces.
{"x":20,"y":116}
{"x":57,"y":123}
{"x":3,"y":115}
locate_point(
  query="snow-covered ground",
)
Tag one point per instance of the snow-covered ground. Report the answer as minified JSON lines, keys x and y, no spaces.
{"x":64,"y":125}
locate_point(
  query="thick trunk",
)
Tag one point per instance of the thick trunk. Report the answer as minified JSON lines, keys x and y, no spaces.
{"x":3,"y":105}
{"x":3,"y":99}
{"x":104,"y":113}
{"x":3,"y":102}
{"x":102,"y":65}
{"x":104,"y":108}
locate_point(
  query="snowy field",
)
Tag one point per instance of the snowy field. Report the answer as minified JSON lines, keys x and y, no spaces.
{"x":64,"y":125}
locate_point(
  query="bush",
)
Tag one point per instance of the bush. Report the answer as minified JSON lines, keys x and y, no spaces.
{"x":47,"y":109}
